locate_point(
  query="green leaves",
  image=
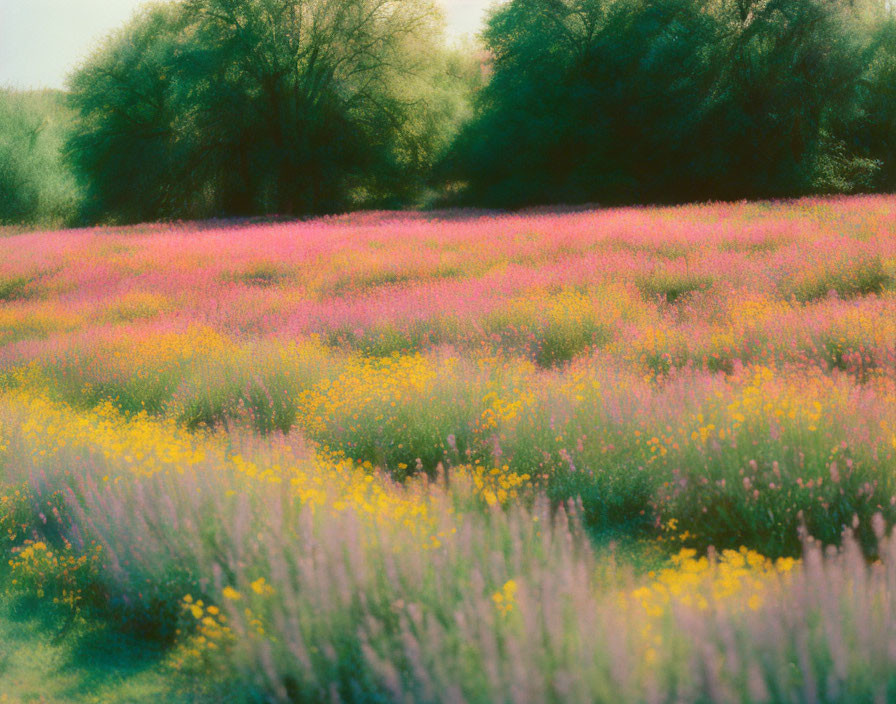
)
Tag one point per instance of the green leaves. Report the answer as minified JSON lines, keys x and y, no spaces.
{"x":634,"y":101}
{"x":34,"y":186}
{"x":259,"y":106}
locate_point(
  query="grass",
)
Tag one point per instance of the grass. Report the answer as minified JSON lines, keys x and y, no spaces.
{"x":263,"y":275}
{"x":41,"y":663}
{"x":14,"y":288}
{"x":673,"y":286}
{"x":845,"y":278}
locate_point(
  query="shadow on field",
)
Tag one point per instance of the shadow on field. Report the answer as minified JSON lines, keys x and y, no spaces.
{"x":42,"y":660}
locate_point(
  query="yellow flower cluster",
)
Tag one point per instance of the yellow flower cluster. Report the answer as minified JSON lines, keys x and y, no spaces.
{"x":209,"y":633}
{"x":145,"y":446}
{"x":36,"y":568}
{"x":38,"y":317}
{"x":657,"y":339}
{"x":13,"y":516}
{"x":505,"y":597}
{"x":736,"y":579}
{"x":495,"y":486}
{"x":141,"y":444}
{"x":500,"y":411}
{"x":376,"y":387}
{"x":331,"y":484}
{"x":765,"y":397}
{"x":158,"y":350}
{"x":565,"y":310}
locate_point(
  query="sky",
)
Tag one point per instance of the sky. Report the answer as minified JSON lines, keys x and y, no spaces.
{"x":41,"y":41}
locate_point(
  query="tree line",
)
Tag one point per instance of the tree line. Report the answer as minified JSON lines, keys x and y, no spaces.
{"x":206,"y":108}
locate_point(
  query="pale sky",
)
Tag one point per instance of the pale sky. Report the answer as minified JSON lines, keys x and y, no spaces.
{"x":41,"y":41}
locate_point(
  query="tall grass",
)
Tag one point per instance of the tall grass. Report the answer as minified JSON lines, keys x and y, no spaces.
{"x":338,"y":597}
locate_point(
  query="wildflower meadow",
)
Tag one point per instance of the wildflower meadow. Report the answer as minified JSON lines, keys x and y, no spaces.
{"x":623,"y":455}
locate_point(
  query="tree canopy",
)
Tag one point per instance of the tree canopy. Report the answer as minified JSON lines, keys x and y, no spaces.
{"x":647,"y":100}
{"x":35,"y":186}
{"x":246,"y":106}
{"x":201,"y":108}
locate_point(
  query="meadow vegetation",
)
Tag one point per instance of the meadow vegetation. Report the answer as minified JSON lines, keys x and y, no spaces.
{"x":572,"y":455}
{"x":621,"y":455}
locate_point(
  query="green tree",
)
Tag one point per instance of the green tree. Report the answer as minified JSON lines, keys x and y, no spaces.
{"x":35,"y":186}
{"x":249,"y":106}
{"x":865,"y":134}
{"x":647,"y":100}
{"x":124,"y":146}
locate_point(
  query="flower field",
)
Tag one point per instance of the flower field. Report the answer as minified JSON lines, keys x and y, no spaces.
{"x":634,"y":455}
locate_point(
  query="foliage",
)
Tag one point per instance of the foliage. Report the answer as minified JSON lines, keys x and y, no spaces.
{"x":35,"y":186}
{"x":241,"y":107}
{"x":638,"y":101}
{"x":247,"y":106}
